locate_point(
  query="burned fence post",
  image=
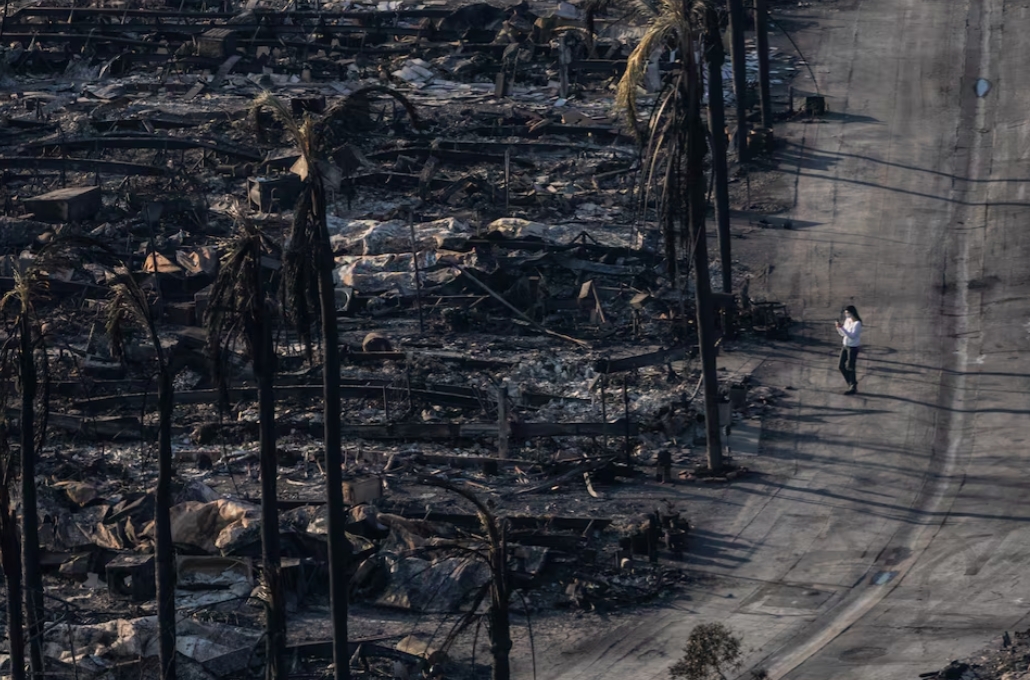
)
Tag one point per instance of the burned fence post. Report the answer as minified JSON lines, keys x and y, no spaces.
{"x":625,"y":403}
{"x":563,"y":66}
{"x":418,"y":276}
{"x":507,"y":182}
{"x":503,"y":431}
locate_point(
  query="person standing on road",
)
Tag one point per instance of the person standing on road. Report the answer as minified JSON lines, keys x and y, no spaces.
{"x":851,"y":332}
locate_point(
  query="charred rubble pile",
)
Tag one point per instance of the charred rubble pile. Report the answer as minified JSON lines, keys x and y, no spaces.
{"x":506,"y":320}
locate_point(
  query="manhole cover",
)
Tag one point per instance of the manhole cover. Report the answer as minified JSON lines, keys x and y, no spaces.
{"x":862,"y":654}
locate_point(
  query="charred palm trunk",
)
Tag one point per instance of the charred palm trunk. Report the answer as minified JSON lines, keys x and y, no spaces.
{"x":695,"y":186}
{"x":739,"y":57}
{"x":271,"y":566}
{"x":762,"y":44}
{"x":716,"y":126}
{"x":11,"y":554}
{"x":339,"y":546}
{"x":164,"y":554}
{"x":30,"y":517}
{"x":500,"y":626}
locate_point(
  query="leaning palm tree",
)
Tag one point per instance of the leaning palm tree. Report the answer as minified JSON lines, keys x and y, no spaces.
{"x":309,"y":294}
{"x":674,"y":151}
{"x":130,"y":306}
{"x":500,"y":586}
{"x":239,"y":311}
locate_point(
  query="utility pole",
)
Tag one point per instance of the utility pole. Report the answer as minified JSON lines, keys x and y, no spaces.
{"x":762,"y":42}
{"x":716,"y":56}
{"x":696,"y":209}
{"x":739,"y":57}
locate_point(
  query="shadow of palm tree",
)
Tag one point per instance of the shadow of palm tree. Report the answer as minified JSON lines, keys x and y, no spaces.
{"x":840,"y":117}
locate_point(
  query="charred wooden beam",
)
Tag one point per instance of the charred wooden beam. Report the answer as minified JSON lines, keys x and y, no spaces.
{"x":597,"y":131}
{"x":448,"y":431}
{"x":465,"y":461}
{"x":532,"y":430}
{"x":348,"y":391}
{"x":58,"y":287}
{"x":447,"y":156}
{"x":398,"y":181}
{"x":323,"y":649}
{"x":447,"y":357}
{"x":137,"y":142}
{"x":82,"y":165}
{"x":656,"y":358}
{"x":115,"y":428}
{"x":516,"y":522}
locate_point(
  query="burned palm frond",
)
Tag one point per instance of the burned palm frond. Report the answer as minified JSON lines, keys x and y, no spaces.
{"x":70,"y":251}
{"x":239,"y":301}
{"x":29,"y":286}
{"x":666,"y":140}
{"x":266,"y":104}
{"x":129,"y":306}
{"x":673,"y":25}
{"x":353,"y":114}
{"x":300,"y":270}
{"x":24,"y":353}
{"x":303,"y":251}
{"x":467,"y":618}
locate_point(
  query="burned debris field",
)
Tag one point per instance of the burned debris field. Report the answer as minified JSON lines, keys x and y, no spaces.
{"x":211,"y":208}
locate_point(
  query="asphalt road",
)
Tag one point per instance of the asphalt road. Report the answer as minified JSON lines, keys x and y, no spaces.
{"x":889,"y":531}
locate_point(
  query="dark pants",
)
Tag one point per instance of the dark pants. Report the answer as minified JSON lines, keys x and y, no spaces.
{"x":848,"y":355}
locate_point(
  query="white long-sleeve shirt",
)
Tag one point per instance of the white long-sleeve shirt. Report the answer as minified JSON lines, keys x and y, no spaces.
{"x":851,"y":332}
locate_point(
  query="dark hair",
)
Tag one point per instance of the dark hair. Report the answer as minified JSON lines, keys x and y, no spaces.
{"x":850,"y":309}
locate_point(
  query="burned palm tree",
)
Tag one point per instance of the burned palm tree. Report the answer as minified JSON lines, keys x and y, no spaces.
{"x":310,"y":294}
{"x":500,"y":585}
{"x":674,"y":153}
{"x":130,"y":307}
{"x":24,"y":334}
{"x":310,"y":298}
{"x":240,"y":310}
